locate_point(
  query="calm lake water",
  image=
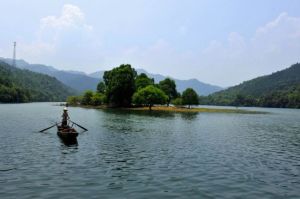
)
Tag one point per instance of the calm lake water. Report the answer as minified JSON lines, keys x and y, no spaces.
{"x":146,"y":155}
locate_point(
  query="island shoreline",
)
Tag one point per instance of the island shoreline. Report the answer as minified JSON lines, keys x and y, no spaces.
{"x":171,"y":109}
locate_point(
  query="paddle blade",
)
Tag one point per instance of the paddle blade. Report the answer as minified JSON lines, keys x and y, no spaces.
{"x":79,"y":125}
{"x":47,"y":128}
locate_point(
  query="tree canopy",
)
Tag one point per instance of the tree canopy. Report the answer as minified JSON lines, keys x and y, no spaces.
{"x":190,"y":97}
{"x":169,"y":87}
{"x":142,"y":81}
{"x":87,"y":97}
{"x":101,"y":87}
{"x":149,"y":96}
{"x":120,"y":85}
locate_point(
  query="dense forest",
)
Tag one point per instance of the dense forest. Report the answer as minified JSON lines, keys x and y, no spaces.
{"x":280,"y":89}
{"x":17,"y":85}
{"x":123,"y":87}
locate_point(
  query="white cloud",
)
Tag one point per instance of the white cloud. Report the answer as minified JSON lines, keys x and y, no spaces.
{"x":68,"y":40}
{"x":71,"y":16}
{"x":274,"y":46}
{"x":60,"y":39}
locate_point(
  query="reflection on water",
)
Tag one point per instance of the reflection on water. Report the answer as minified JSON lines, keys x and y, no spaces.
{"x":189,"y":116}
{"x":136,"y":154}
{"x":69,"y":142}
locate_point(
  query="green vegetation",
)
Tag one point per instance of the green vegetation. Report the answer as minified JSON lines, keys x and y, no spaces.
{"x":74,"y":100}
{"x":101,"y":87}
{"x":142,"y":81}
{"x":89,"y":98}
{"x":149,"y":96}
{"x":280,"y":89}
{"x":98,"y":99}
{"x":177,"y":101}
{"x":190,"y":97}
{"x":169,"y":87}
{"x":18,"y":86}
{"x":120,"y":85}
{"x":194,"y":110}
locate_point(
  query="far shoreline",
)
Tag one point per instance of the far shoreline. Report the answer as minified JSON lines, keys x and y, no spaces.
{"x":174,"y":109}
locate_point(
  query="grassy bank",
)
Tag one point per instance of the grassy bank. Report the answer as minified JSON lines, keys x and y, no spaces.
{"x":193,"y":110}
{"x":177,"y":109}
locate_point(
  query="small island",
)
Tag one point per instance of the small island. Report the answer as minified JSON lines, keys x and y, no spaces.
{"x":123,"y":88}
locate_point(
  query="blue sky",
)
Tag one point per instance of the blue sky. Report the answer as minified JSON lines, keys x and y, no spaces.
{"x":219,"y":42}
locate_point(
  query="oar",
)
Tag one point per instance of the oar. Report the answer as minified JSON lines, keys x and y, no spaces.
{"x":79,"y":125}
{"x":48,"y":128}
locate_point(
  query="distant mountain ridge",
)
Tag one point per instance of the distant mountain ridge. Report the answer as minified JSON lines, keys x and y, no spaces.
{"x":279,"y":89}
{"x":74,"y":79}
{"x":80,"y":81}
{"x":200,"y":87}
{"x":18,"y":85}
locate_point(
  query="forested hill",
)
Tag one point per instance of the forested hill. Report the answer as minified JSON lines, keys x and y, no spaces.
{"x":280,"y":89}
{"x":76,"y":80}
{"x":17,"y":85}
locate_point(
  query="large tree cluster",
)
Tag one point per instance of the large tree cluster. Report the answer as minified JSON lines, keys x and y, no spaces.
{"x":122,"y":87}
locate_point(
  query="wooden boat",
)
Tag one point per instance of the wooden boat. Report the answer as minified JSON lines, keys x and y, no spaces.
{"x":67,"y":133}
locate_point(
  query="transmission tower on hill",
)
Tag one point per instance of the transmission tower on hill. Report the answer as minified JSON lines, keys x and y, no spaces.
{"x":14,"y":55}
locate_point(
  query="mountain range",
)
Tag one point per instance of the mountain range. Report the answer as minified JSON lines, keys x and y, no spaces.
{"x":200,"y":87}
{"x":76,"y":80}
{"x":20,"y":85}
{"x":279,"y":89}
{"x":81,"y":81}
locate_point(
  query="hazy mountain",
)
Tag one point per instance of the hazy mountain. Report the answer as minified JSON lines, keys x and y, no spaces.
{"x":200,"y":87}
{"x":279,"y":89}
{"x":98,"y":74}
{"x":74,"y":79}
{"x":81,"y":81}
{"x":19,"y":85}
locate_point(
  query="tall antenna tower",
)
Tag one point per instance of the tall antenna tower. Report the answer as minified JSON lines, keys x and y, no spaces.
{"x":14,"y":55}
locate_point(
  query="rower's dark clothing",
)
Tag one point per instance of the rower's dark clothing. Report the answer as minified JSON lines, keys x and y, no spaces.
{"x":65,"y":117}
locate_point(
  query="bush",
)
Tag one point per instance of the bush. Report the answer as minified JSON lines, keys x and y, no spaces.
{"x":149,"y":96}
{"x":97,"y":99}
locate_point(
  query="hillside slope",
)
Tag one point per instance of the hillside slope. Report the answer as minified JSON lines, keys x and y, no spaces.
{"x":17,"y":85}
{"x":76,"y":80}
{"x":280,"y":89}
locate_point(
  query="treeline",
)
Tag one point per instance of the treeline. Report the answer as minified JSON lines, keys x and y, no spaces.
{"x":280,"y":89}
{"x":18,"y":86}
{"x":289,"y":98}
{"x":122,"y":87}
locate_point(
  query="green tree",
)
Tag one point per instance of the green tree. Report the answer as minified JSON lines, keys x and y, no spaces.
{"x":239,"y":100}
{"x":177,"y":101}
{"x":74,"y":100}
{"x":190,"y":97}
{"x":87,"y":98}
{"x":120,"y":85}
{"x":149,"y":96}
{"x":169,"y":87}
{"x":101,"y":87}
{"x":142,"y":81}
{"x":97,"y":99}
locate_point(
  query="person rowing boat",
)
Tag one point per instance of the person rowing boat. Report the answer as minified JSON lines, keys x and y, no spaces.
{"x":65,"y":118}
{"x":67,"y":133}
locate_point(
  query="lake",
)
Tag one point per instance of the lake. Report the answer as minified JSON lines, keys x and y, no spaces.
{"x":129,"y":154}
